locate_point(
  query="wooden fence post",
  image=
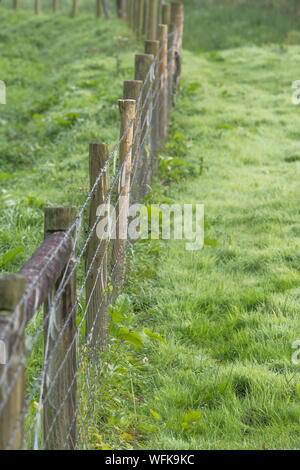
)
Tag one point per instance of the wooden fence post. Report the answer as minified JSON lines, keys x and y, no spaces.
{"x":145,"y":16}
{"x":163,"y":78}
{"x":166,"y":14}
{"x":74,"y":10}
{"x":152,"y":20}
{"x":131,"y":91}
{"x":132,"y":16}
{"x":141,"y":17}
{"x":121,"y":12}
{"x":98,"y":8}
{"x":97,"y":251}
{"x":55,"y":6}
{"x":60,"y":349}
{"x":143,"y":62}
{"x":37,"y":6}
{"x":152,"y":47}
{"x":12,"y":287}
{"x":118,"y":261}
{"x":177,"y":21}
{"x":15,"y":4}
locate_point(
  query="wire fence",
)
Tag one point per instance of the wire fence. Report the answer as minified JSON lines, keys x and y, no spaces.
{"x":62,"y":319}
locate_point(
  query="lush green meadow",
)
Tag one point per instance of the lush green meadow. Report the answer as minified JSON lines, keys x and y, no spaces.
{"x":223,"y":377}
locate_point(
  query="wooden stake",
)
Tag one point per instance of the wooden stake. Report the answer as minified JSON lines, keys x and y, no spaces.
{"x":131,"y":91}
{"x":98,"y":8}
{"x":12,"y":287}
{"x":163,"y":77}
{"x":177,"y":21}
{"x":132,"y":16}
{"x":121,"y":9}
{"x":145,"y":16}
{"x":60,"y":349}
{"x":55,"y":6}
{"x":97,"y":252}
{"x":143,"y":62}
{"x":166,"y":14}
{"x":141,"y":17}
{"x":74,"y":9}
{"x":16,"y":4}
{"x":118,"y":262}
{"x":37,"y":7}
{"x":152,"y":20}
{"x":152,"y":47}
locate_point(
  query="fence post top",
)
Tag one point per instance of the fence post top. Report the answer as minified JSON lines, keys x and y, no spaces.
{"x":144,"y":57}
{"x":12,"y":287}
{"x":58,"y":218}
{"x":101,"y":145}
{"x":137,"y":82}
{"x":127,"y":105}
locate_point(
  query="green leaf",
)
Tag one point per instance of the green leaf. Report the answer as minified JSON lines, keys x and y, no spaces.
{"x":155,"y":414}
{"x":154,"y":336}
{"x":147,"y":427}
{"x":10,"y":256}
{"x":192,"y":416}
{"x":122,"y":333}
{"x":5,"y":176}
{"x":213,"y":242}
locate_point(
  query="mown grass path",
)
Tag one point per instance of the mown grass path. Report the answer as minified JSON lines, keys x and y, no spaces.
{"x":230,"y":312}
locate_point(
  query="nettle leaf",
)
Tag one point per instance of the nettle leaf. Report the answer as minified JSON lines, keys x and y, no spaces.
{"x":121,"y":308}
{"x":147,"y":427}
{"x":155,"y":414}
{"x":124,"y":334}
{"x":10,"y":256}
{"x":5,"y":176}
{"x":154,"y":336}
{"x":123,"y":303}
{"x":191,"y":417}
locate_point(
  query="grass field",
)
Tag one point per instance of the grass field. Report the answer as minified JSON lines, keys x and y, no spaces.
{"x":230,"y":312}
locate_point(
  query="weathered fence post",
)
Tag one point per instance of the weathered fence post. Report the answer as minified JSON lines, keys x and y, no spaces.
{"x":141,"y":17}
{"x":37,"y":6}
{"x":152,"y":20}
{"x":152,"y":47}
{"x":131,"y":91}
{"x":166,"y":14}
{"x":143,"y":62}
{"x":97,"y":251}
{"x":12,"y":287}
{"x":145,"y":16}
{"x":163,"y":79}
{"x":131,"y":14}
{"x":55,"y":6}
{"x":177,"y":18}
{"x":60,"y":347}
{"x":74,"y":10}
{"x":177,"y":21}
{"x":121,"y":12}
{"x":98,"y":8}
{"x":118,"y":261}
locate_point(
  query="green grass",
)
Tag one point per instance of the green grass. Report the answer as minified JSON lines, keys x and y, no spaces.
{"x":217,"y":25}
{"x":230,"y":311}
{"x":64,"y":78}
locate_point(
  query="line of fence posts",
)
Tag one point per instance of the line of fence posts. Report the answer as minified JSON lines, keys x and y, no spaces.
{"x":100,"y":6}
{"x":60,"y":364}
